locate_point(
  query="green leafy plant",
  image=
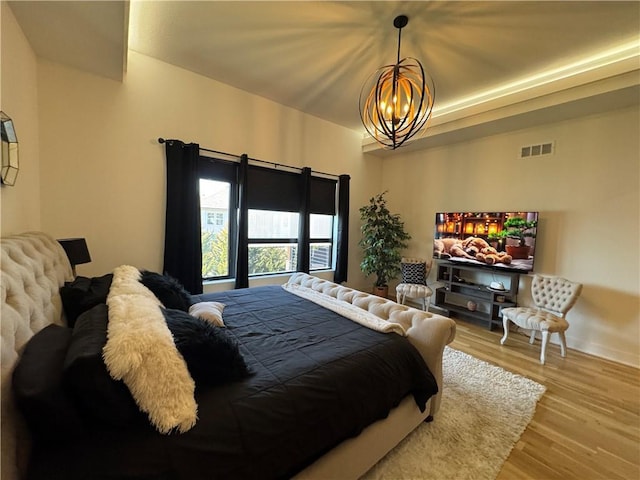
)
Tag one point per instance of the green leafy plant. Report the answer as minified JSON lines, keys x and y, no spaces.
{"x":383,"y":238}
{"x":515,"y":228}
{"x":215,"y":259}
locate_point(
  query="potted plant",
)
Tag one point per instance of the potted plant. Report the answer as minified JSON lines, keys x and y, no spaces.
{"x":517,"y":229}
{"x":383,"y":238}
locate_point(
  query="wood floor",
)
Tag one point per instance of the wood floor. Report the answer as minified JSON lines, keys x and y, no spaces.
{"x":587,"y":424}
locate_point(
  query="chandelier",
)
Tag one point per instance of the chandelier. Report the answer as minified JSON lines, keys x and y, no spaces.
{"x":397,"y":100}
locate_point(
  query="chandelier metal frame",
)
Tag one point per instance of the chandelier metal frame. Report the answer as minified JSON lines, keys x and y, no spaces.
{"x":396,"y":101}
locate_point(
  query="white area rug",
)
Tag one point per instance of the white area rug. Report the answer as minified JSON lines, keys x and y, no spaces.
{"x":484,"y":411}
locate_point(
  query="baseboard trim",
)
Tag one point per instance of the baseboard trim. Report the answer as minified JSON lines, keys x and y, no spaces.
{"x":595,"y":349}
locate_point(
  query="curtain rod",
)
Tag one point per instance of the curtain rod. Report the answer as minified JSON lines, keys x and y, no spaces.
{"x":276,"y":165}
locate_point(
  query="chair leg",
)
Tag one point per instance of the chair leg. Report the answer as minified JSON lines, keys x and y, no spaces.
{"x":505,"y":326}
{"x":543,"y":350}
{"x":424,"y":304}
{"x":401,"y":299}
{"x":563,"y":345}
{"x":532,"y":337}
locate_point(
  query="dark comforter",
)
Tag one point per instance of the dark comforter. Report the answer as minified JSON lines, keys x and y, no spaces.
{"x":318,"y":379}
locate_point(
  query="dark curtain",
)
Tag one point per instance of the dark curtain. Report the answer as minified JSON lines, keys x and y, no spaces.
{"x":342,"y":249}
{"x":303,"y":233}
{"x":182,"y":240}
{"x":242,"y":255}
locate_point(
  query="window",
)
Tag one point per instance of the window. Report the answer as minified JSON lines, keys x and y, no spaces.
{"x":215,"y":218}
{"x":273,"y":242}
{"x":321,"y":241}
{"x":215,"y":197}
{"x":274,"y":199}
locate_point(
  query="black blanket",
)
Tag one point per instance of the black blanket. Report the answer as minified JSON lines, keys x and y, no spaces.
{"x":318,"y":379}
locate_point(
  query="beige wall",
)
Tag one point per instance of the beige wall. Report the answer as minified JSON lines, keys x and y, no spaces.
{"x":587,"y":194}
{"x":20,"y":204}
{"x":103,"y":170}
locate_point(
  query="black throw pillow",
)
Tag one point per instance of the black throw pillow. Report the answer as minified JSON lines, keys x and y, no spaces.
{"x":414,"y":273}
{"x":100,"y":398}
{"x":167,"y":289}
{"x":211,"y":354}
{"x":37,"y":385}
{"x":82,"y":294}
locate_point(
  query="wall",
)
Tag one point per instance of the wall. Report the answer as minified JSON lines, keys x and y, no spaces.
{"x":20,"y":204}
{"x":103,"y":170}
{"x":587,"y":193}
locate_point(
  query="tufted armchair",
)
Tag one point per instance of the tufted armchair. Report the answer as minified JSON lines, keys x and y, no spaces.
{"x":553,"y":298}
{"x":414,"y":281}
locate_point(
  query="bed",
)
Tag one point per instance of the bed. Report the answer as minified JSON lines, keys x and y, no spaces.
{"x":300,"y":345}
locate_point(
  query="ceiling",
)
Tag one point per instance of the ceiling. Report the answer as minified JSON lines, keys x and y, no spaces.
{"x":315,"y":56}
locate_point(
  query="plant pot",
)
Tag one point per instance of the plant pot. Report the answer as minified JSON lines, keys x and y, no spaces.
{"x":518,"y":253}
{"x":381,"y":291}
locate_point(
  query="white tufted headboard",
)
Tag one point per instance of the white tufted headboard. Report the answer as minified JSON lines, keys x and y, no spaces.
{"x":33,"y":267}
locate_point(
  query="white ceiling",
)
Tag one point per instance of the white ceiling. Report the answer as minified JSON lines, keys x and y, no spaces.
{"x":315,"y":56}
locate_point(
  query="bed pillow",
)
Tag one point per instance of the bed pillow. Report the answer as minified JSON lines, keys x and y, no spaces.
{"x":37,"y":385}
{"x":167,"y":289}
{"x":100,"y":398}
{"x":211,"y":354}
{"x":208,"y":311}
{"x":82,"y":294}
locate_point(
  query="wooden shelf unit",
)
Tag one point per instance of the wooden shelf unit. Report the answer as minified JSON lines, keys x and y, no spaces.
{"x":460,"y":285}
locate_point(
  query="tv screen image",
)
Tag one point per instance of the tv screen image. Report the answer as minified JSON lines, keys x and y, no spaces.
{"x":498,"y":240}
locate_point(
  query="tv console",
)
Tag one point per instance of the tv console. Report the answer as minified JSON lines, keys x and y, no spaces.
{"x":466,"y":292}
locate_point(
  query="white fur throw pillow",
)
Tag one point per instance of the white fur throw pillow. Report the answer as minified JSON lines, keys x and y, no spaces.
{"x":140,"y":351}
{"x":208,"y":311}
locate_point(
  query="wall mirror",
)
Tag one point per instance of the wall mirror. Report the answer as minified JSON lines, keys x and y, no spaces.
{"x":9,"y":164}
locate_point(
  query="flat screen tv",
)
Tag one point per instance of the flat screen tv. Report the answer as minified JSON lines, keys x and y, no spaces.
{"x":496,"y":240}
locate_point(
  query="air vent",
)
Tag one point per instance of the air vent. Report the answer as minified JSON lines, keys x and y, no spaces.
{"x":536,"y":150}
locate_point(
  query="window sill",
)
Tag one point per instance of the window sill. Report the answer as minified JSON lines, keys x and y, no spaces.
{"x":211,"y":286}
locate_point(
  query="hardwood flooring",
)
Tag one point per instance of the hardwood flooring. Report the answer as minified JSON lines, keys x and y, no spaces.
{"x":587,"y":424}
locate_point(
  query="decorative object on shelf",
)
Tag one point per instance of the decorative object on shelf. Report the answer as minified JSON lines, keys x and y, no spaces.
{"x":10,"y":164}
{"x":414,"y":281}
{"x":553,"y":298}
{"x":500,"y":298}
{"x":76,"y":250}
{"x":496,"y":287}
{"x":397,"y":100}
{"x":472,"y":306}
{"x":517,"y":229}
{"x":383,"y":238}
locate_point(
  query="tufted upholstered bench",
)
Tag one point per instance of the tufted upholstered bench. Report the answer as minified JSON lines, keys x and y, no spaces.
{"x":553,"y":298}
